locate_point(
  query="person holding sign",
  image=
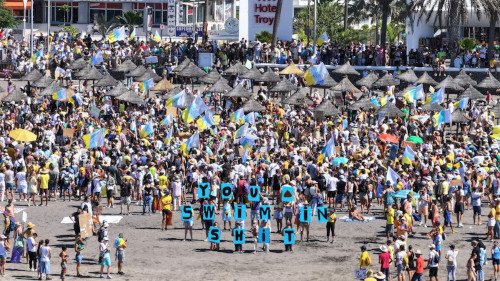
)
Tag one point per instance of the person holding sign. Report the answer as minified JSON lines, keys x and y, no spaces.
{"x":214,"y":246}
{"x":265,"y":227}
{"x":187,"y":218}
{"x":330,"y":225}
{"x":238,"y":232}
{"x":227,"y":213}
{"x":255,"y":234}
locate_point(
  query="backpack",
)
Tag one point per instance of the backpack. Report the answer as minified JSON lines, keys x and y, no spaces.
{"x":322,"y":183}
{"x":100,"y":235}
{"x":363,"y":188}
{"x":436,"y":258}
{"x":66,"y":179}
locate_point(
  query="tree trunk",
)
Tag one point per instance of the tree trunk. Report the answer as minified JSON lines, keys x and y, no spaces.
{"x":453,"y":30}
{"x":491,"y":35}
{"x":377,"y":38}
{"x":346,"y":13}
{"x":277,"y":17}
{"x":205,"y":23}
{"x":385,"y":15}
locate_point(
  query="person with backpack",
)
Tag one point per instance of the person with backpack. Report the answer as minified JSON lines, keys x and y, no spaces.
{"x":451,"y":262}
{"x":433,"y":263}
{"x":364,"y":260}
{"x":110,"y":189}
{"x":66,"y":180}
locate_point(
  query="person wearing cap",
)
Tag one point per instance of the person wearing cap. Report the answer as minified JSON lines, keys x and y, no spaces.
{"x":476,"y":197}
{"x":166,"y":207}
{"x":451,"y":262}
{"x":432,"y":263}
{"x":419,"y":267}
{"x":43,"y":185}
{"x":104,"y":257}
{"x":385,"y":260}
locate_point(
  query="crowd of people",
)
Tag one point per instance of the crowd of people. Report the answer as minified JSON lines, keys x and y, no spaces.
{"x":282,"y":146}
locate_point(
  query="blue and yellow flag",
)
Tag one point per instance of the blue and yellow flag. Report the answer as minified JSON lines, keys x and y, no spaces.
{"x":408,"y":155}
{"x":60,"y":95}
{"x":146,"y":85}
{"x":157,"y":37}
{"x":177,"y":100}
{"x":132,"y":35}
{"x":237,"y":115}
{"x":194,"y":110}
{"x":147,"y":129}
{"x":117,"y":35}
{"x":95,"y":139}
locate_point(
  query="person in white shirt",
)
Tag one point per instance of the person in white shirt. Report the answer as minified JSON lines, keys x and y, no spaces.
{"x":332,"y":190}
{"x":32,"y":245}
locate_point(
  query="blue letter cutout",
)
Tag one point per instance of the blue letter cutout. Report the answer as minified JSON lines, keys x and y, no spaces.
{"x":254,"y":193}
{"x":214,"y":234}
{"x":322,"y":214}
{"x":240,"y":212}
{"x":288,"y":236}
{"x":203,"y":190}
{"x":186,"y":213}
{"x":208,"y":212}
{"x":286,"y":193}
{"x":305,"y":214}
{"x":264,"y":235}
{"x":265,"y":213}
{"x":226,"y":191}
{"x":239,"y":236}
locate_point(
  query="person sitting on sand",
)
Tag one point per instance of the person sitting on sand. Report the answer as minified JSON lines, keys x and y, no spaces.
{"x":354,"y":215}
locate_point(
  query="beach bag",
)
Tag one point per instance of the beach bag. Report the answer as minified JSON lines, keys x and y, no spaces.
{"x":100,"y":235}
{"x":101,"y":257}
{"x":451,"y":261}
{"x":436,"y":258}
{"x":19,"y":242}
{"x":170,"y":218}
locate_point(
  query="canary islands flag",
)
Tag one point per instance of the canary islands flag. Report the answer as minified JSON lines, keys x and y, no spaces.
{"x":117,"y":35}
{"x":96,"y":59}
{"x":237,"y":115}
{"x":95,"y":139}
{"x":241,"y":131}
{"x":194,"y":110}
{"x":391,"y":177}
{"x":132,"y":35}
{"x":244,"y":157}
{"x":192,"y":142}
{"x":328,"y":150}
{"x":147,"y":130}
{"x":437,"y":97}
{"x":323,"y":38}
{"x":408,"y":155}
{"x":60,"y":95}
{"x":37,"y":55}
{"x":76,"y":100}
{"x":146,"y":85}
{"x":168,"y":138}
{"x":177,"y":100}
{"x":157,"y":37}
{"x":168,"y":120}
{"x":462,"y":104}
{"x":316,"y":75}
{"x":444,"y":117}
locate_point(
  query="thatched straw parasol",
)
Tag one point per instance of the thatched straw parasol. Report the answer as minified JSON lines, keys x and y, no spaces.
{"x":390,"y":110}
{"x":368,"y":80}
{"x":291,"y":69}
{"x":386,"y":80}
{"x":131,"y":97}
{"x":163,"y":86}
{"x":106,"y":80}
{"x":408,"y":76}
{"x":269,"y":76}
{"x":126,"y":66}
{"x":118,"y":90}
{"x":346,"y":86}
{"x":253,"y":106}
{"x":239,"y":92}
{"x":52,"y":88}
{"x":138,"y":71}
{"x":489,"y":82}
{"x":346,"y":69}
{"x":15,"y":96}
{"x":33,"y":75}
{"x":220,"y":86}
{"x":432,"y":107}
{"x":148,"y":74}
{"x":78,"y":64}
{"x":449,"y":84}
{"x":328,"y":108}
{"x":299,"y":98}
{"x":464,"y":80}
{"x":283,"y":86}
{"x":43,"y":82}
{"x":210,"y":78}
{"x":252,"y":74}
{"x":472,"y":94}
{"x":426,"y":79}
{"x":237,"y":68}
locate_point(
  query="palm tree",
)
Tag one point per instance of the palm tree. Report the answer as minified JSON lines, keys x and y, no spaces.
{"x":130,"y":19}
{"x":103,"y":26}
{"x":366,"y":9}
{"x":277,"y":17}
{"x":491,"y":9}
{"x":65,"y":8}
{"x":455,"y":14}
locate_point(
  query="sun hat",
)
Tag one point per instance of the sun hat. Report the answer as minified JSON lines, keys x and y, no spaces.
{"x":30,"y":225}
{"x":379,"y":275}
{"x":384,"y":249}
{"x":418,"y":252}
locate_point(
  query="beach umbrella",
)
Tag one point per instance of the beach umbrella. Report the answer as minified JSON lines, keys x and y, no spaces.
{"x":449,"y":84}
{"x":253,"y":106}
{"x":291,"y":69}
{"x":93,"y":74}
{"x":346,"y":69}
{"x":106,"y":80}
{"x":346,"y":86}
{"x":404,"y":194}
{"x":43,"y":82}
{"x":183,"y":65}
{"x":83,"y":71}
{"x":364,"y":103}
{"x":52,"y":88}
{"x":471,"y":93}
{"x":78,"y":64}
{"x":31,"y":76}
{"x":220,"y":86}
{"x":386,"y":80}
{"x":299,"y":98}
{"x":147,"y":75}
{"x":269,"y":76}
{"x":390,"y":110}
{"x":163,"y":86}
{"x":252,"y":74}
{"x":211,"y":77}
{"x":408,"y":76}
{"x":239,"y":92}
{"x":22,"y":135}
{"x":416,"y":140}
{"x":237,"y":68}
{"x":328,"y":82}
{"x":138,"y":71}
{"x":426,"y":79}
{"x":458,"y":117}
{"x":389,"y":138}
{"x":340,"y":160}
{"x":126,"y":66}
{"x":432,"y":107}
{"x":327,"y":108}
{"x":131,"y":97}
{"x":118,"y":90}
{"x":463,"y":79}
{"x":489,"y":82}
{"x":192,"y":71}
{"x":368,"y":80}
{"x":15,"y":96}
{"x":283,"y":86}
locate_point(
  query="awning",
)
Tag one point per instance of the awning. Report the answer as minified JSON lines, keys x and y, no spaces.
{"x":17,"y":5}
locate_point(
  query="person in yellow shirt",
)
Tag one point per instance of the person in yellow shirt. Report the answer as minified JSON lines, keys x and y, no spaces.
{"x":365,"y":260}
{"x":389,"y":226}
{"x":330,"y":225}
{"x":166,"y":206}
{"x":369,"y":276}
{"x":163,"y":180}
{"x":43,"y":185}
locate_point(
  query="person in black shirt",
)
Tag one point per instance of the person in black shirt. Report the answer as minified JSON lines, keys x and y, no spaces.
{"x":125,"y":191}
{"x":76,"y":221}
{"x":148,"y":198}
{"x":341,"y":186}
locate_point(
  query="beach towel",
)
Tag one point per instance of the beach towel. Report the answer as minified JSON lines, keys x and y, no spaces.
{"x":347,"y":219}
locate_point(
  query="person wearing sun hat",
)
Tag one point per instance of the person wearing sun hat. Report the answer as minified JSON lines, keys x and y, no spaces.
{"x":385,"y":260}
{"x":43,"y":184}
{"x":369,"y":276}
{"x":104,"y":257}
